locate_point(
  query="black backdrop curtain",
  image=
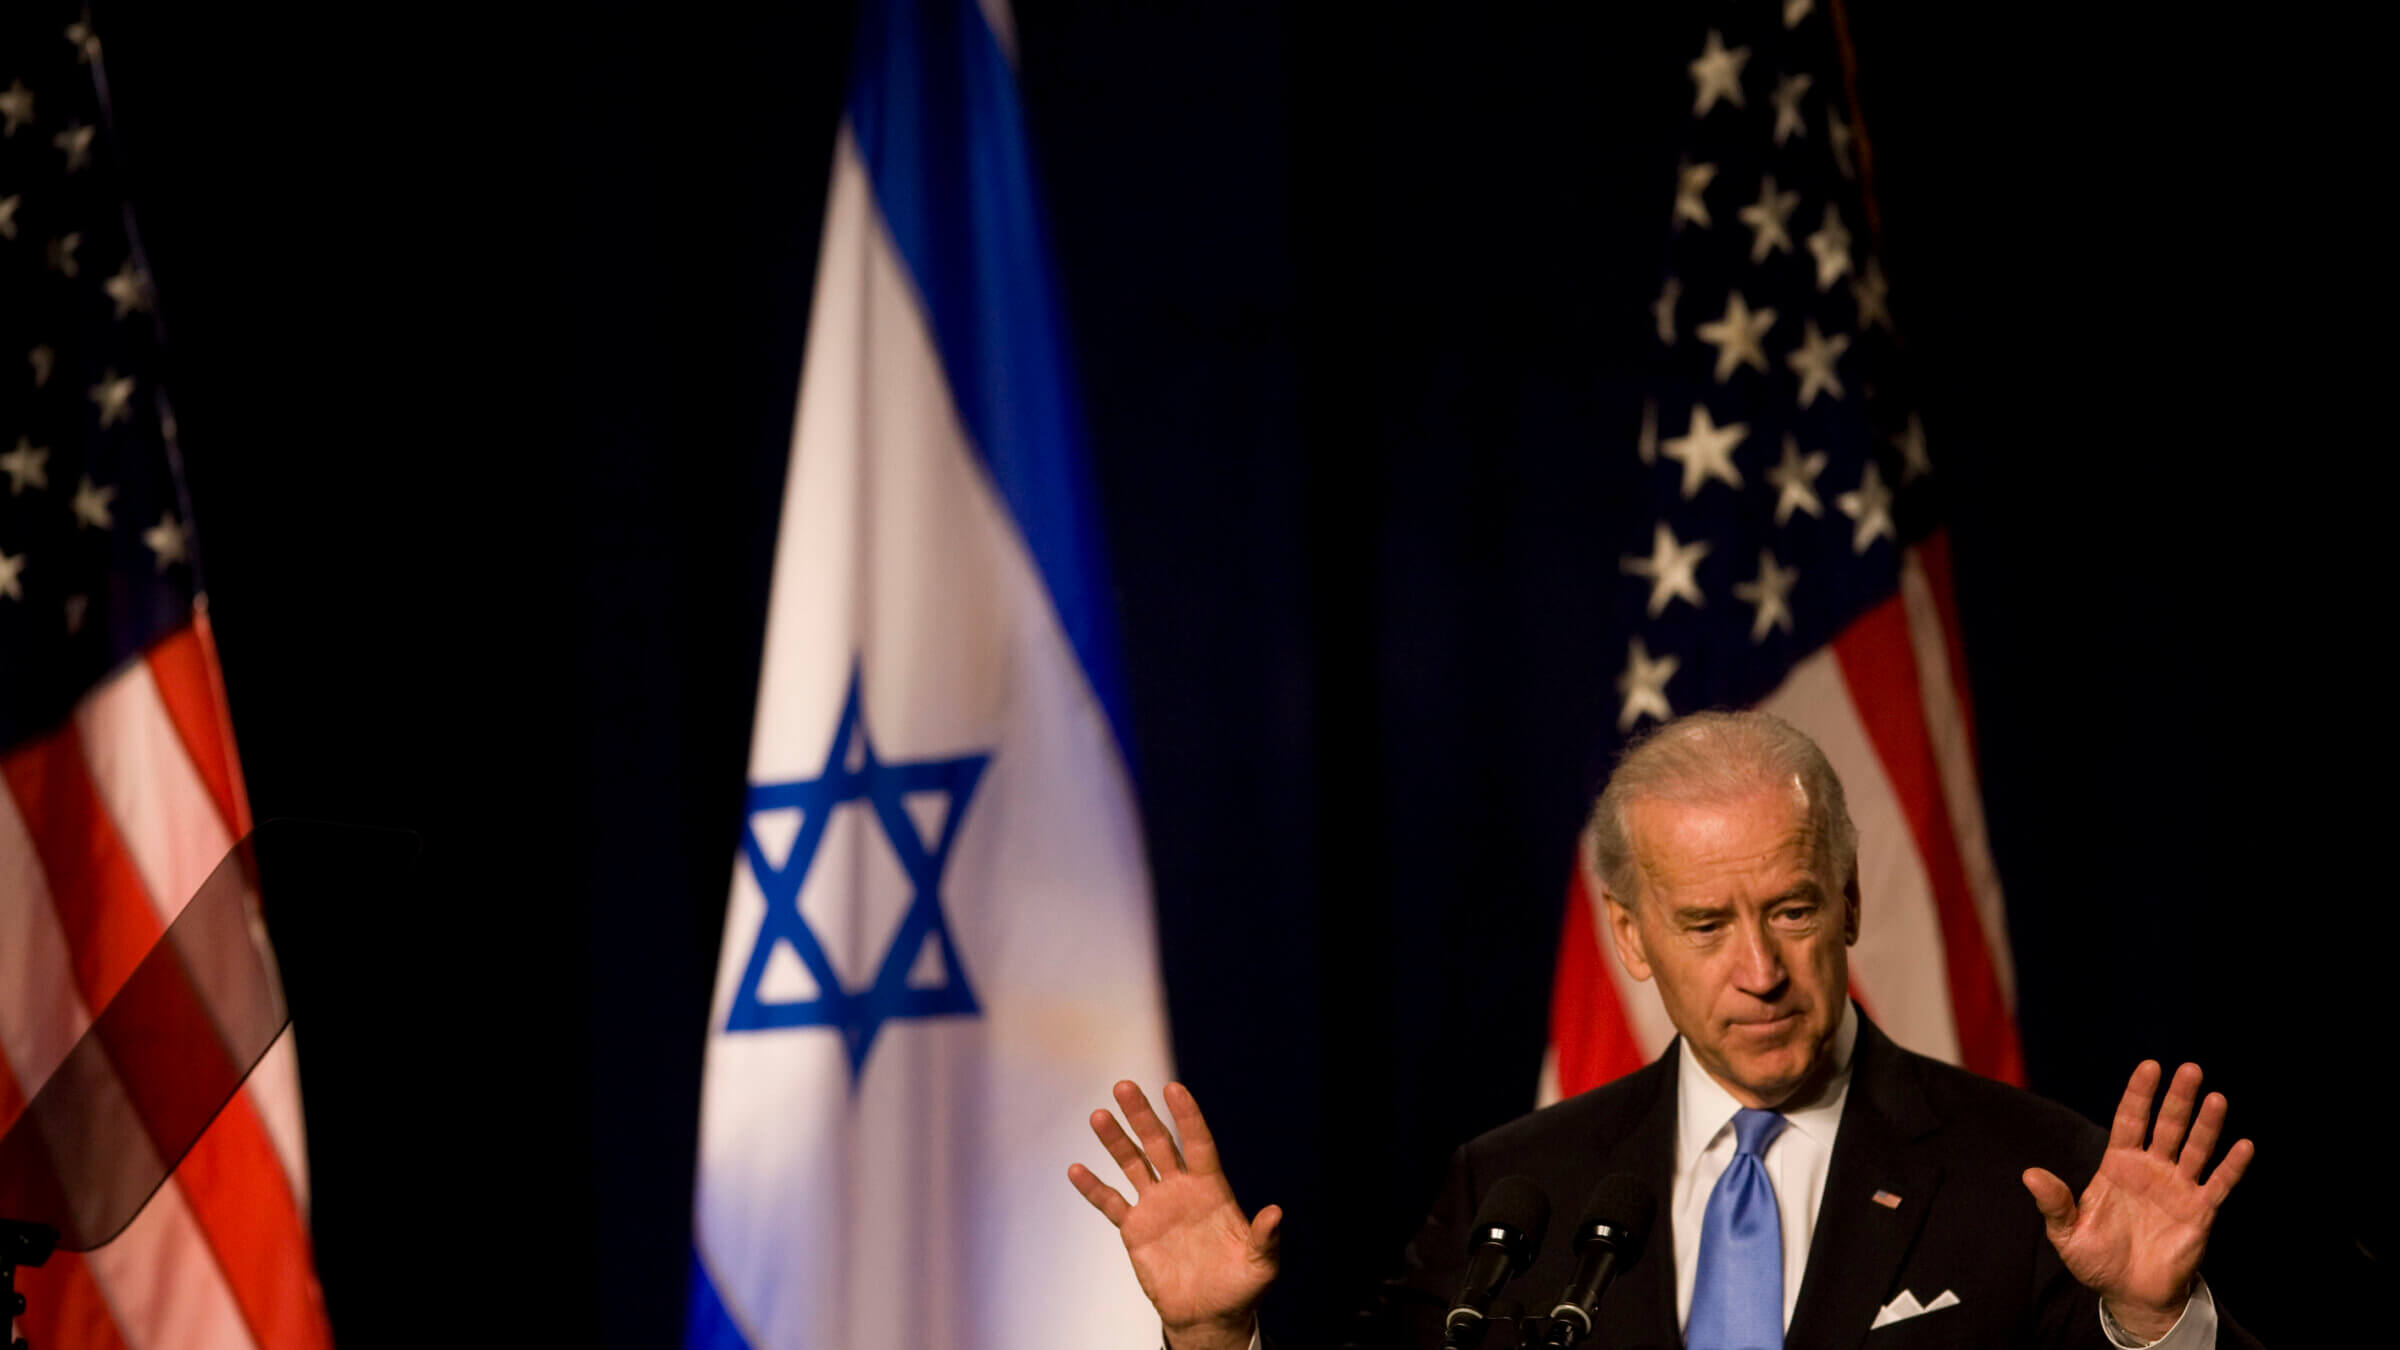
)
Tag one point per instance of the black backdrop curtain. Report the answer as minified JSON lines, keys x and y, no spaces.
{"x":487,"y":330}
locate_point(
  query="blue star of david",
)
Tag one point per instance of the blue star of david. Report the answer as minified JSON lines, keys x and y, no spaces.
{"x":858,"y":1014}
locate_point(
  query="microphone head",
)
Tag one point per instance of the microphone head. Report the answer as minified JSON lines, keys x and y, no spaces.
{"x":1515,"y":1213}
{"x":1618,"y":1214}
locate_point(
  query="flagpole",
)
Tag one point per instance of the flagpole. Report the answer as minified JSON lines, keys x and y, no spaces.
{"x":21,"y":1244}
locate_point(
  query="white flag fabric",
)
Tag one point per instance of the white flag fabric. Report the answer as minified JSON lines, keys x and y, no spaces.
{"x":939,"y":950}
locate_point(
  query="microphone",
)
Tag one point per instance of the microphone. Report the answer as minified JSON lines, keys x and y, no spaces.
{"x":1508,"y":1231}
{"x":1615,"y":1220}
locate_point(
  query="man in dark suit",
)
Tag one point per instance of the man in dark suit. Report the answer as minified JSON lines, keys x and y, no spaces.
{"x":1818,"y":1186}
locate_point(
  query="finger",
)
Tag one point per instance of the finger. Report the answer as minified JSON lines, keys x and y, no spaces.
{"x":2175,"y":1114}
{"x":1266,"y":1232}
{"x":2054,"y":1200}
{"x":2133,"y":1109}
{"x":1147,"y":1127}
{"x":1121,"y":1147}
{"x":2204,"y":1137}
{"x":1103,"y":1196}
{"x":1199,"y":1146}
{"x":2229,"y":1172}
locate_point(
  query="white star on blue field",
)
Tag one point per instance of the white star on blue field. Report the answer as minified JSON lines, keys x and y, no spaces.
{"x":858,"y":1014}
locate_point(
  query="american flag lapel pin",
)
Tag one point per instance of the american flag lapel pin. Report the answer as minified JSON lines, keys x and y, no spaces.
{"x":1887,"y":1199}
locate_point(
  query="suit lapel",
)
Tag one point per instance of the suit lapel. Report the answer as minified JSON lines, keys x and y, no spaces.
{"x":1860,"y":1240}
{"x":1639,"y":1312}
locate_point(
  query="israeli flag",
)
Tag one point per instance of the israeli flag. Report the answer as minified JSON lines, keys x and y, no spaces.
{"x":939,"y":951}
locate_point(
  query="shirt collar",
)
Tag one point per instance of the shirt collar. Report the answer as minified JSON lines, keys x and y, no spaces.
{"x":1705,"y":1108}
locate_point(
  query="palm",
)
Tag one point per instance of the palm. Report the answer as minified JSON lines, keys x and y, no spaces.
{"x":1201,"y":1263}
{"x":1191,"y":1249}
{"x":2139,"y":1230}
{"x":2137,"y":1233}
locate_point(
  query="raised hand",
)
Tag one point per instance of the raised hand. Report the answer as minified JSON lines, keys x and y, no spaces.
{"x":2137,"y":1233}
{"x":1202,"y":1263}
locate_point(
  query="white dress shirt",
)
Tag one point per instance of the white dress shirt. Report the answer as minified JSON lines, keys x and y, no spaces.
{"x":1796,"y":1161}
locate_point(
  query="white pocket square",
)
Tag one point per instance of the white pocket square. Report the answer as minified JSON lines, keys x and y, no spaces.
{"x":1906,"y":1306}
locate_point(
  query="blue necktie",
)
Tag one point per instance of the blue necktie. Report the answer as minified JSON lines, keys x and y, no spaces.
{"x":1737,"y":1297}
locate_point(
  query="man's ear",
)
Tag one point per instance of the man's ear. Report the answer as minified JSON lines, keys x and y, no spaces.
{"x":1850,"y":910}
{"x":1627,"y":933}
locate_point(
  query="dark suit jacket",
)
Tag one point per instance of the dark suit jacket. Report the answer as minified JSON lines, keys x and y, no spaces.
{"x":1949,"y":1144}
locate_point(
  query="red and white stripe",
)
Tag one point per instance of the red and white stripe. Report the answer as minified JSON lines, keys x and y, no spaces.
{"x":107,"y":825}
{"x":1888,"y":703}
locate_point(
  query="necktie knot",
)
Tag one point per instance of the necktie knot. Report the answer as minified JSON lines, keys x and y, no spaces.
{"x":1754,"y":1130}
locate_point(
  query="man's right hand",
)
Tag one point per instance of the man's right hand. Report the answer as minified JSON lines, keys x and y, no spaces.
{"x":1203,"y":1265}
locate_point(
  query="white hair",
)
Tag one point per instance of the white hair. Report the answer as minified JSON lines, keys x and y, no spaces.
{"x":1711,"y":758}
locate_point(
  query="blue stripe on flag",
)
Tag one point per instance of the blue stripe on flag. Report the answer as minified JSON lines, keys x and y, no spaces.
{"x":933,"y":105}
{"x":706,"y":1324}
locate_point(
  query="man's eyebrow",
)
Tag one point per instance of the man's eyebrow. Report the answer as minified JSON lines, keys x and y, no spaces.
{"x":1806,"y":890}
{"x":1689,"y":913}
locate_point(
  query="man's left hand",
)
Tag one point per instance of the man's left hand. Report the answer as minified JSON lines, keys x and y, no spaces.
{"x":2136,"y":1235}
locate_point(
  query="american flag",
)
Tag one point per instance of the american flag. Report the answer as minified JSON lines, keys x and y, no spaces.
{"x":119,"y":785}
{"x":1788,"y":553}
